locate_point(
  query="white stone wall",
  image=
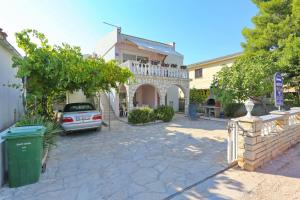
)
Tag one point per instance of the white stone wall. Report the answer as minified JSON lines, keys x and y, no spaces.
{"x":106,"y":46}
{"x":11,"y":100}
{"x":261,"y":139}
{"x":173,"y":97}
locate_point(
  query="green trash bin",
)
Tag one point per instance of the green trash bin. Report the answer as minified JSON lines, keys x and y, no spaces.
{"x":24,"y":150}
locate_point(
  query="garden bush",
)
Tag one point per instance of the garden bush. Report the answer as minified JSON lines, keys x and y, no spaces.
{"x":164,"y":113}
{"x":234,"y":110}
{"x":145,"y":114}
{"x":141,"y":115}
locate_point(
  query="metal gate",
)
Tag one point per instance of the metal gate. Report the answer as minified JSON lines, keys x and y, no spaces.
{"x":232,"y":145}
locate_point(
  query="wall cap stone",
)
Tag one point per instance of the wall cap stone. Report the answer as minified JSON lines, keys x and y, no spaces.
{"x":251,"y":119}
{"x":279,"y":112}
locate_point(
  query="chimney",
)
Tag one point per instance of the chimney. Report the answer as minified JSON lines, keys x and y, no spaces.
{"x":3,"y":35}
{"x":173,"y":44}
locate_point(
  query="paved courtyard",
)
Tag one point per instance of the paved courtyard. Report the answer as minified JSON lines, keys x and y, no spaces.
{"x":130,"y":162}
{"x":278,"y":180}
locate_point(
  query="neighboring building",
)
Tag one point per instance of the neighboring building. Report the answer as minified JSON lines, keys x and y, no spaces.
{"x":202,"y":73}
{"x":11,"y":99}
{"x":158,"y":70}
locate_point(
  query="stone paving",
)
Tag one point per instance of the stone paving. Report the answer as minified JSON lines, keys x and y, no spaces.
{"x":277,"y":180}
{"x":129,"y":162}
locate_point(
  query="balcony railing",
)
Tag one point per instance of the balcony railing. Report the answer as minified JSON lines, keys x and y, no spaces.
{"x":147,"y":69}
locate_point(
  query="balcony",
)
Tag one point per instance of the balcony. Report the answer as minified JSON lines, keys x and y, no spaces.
{"x":147,"y":69}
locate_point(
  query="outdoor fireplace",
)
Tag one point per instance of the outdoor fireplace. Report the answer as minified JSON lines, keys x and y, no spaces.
{"x":211,"y":108}
{"x":211,"y":102}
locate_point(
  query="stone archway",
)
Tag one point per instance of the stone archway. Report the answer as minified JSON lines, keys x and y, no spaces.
{"x":177,"y":96}
{"x":161,"y":84}
{"x":146,"y":95}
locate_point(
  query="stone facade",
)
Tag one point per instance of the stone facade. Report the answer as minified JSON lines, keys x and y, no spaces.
{"x":261,"y":139}
{"x":161,"y":84}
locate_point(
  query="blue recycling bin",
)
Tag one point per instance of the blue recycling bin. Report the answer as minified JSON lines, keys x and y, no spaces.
{"x":193,"y":111}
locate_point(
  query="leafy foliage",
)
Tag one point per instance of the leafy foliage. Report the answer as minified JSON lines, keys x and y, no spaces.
{"x":164,"y":113}
{"x":198,"y":95}
{"x":53,"y":70}
{"x":231,"y":110}
{"x":272,"y":45}
{"x":141,"y":115}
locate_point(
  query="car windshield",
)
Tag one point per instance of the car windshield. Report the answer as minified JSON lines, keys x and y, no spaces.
{"x":75,"y":107}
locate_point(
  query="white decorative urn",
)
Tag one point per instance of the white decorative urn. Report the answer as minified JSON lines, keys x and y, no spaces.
{"x":249,"y":107}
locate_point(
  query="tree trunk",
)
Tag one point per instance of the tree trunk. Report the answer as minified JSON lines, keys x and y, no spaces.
{"x":44,"y":106}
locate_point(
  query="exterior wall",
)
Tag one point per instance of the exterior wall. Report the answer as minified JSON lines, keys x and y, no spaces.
{"x":174,"y":60}
{"x":257,"y":145}
{"x":106,"y":45}
{"x":145,"y":95}
{"x":76,"y":97}
{"x":110,"y":55}
{"x":173,"y":97}
{"x":11,"y":99}
{"x":208,"y":72}
{"x":129,"y":48}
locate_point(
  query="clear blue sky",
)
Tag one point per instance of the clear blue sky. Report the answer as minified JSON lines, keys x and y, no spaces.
{"x":202,"y":29}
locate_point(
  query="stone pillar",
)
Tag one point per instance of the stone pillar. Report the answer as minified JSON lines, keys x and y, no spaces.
{"x":155,"y":98}
{"x":131,"y":91}
{"x":162,"y":93}
{"x":186,"y":101}
{"x":251,"y":148}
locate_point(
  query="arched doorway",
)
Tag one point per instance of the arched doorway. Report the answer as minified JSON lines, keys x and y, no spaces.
{"x":175,"y":97}
{"x":146,"y":95}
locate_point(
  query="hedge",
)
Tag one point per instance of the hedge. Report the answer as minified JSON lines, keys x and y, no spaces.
{"x":145,"y":114}
{"x":164,"y":113}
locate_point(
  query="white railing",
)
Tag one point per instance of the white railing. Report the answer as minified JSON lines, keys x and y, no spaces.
{"x":232,"y":145}
{"x":294,"y":117}
{"x":147,"y":69}
{"x":270,"y":124}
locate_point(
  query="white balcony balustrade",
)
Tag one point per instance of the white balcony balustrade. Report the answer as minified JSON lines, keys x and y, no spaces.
{"x":147,"y":69}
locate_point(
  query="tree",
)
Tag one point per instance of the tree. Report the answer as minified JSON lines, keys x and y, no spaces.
{"x":198,"y":95}
{"x":272,"y":45}
{"x":53,"y":70}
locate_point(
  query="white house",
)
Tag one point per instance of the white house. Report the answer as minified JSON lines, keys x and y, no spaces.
{"x":11,"y":99}
{"x":158,"y":69}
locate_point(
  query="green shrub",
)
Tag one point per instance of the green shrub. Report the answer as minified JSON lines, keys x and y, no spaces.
{"x":198,"y":95}
{"x":141,"y":115}
{"x":164,"y":113}
{"x":233,"y":110}
{"x":52,"y":128}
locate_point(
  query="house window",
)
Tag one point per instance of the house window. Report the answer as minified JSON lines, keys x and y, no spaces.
{"x":128,"y":57}
{"x":142,"y":59}
{"x":198,"y":73}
